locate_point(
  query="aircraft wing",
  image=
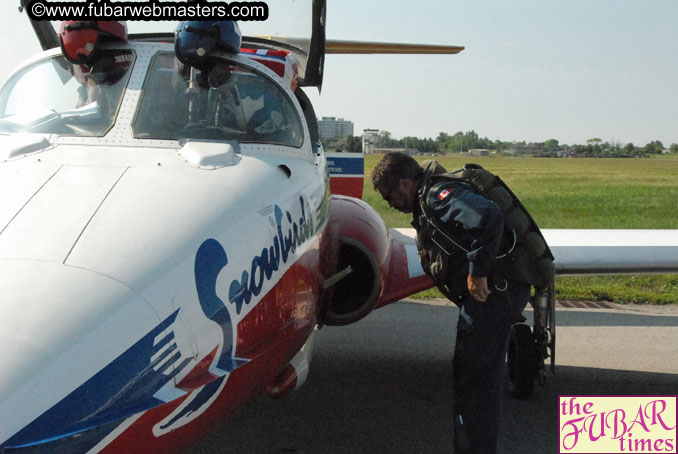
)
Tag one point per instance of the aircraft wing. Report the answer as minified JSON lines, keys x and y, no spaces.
{"x":369,"y":47}
{"x":405,"y":275}
{"x":581,"y":251}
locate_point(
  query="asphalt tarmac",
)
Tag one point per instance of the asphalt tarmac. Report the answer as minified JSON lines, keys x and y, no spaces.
{"x":383,"y":385}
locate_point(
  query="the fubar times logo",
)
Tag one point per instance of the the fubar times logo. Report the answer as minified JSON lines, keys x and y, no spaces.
{"x":617,"y":424}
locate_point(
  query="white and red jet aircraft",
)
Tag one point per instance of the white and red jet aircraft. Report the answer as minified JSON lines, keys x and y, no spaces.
{"x":169,"y":244}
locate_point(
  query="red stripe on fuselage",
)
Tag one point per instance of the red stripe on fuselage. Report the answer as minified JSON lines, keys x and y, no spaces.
{"x":270,"y":335}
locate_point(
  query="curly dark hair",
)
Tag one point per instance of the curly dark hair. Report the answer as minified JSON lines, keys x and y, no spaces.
{"x":393,"y":167}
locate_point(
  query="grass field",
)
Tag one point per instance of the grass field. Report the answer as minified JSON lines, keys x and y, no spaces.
{"x":581,"y":193}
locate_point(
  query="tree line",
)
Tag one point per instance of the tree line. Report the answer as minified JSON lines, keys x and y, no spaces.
{"x":464,"y":141}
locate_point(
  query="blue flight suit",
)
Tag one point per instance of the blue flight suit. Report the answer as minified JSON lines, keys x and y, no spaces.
{"x":483,"y":327}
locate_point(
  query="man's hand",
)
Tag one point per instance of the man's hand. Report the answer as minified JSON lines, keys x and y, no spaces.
{"x":477,"y":286}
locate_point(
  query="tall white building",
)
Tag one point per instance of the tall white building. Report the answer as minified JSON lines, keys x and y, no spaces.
{"x":331,"y":127}
{"x":370,"y":140}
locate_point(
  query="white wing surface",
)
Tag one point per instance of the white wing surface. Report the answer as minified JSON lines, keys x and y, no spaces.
{"x":581,"y":251}
{"x":613,"y":251}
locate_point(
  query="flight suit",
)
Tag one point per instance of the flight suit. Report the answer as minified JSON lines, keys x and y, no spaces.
{"x":476,"y":224}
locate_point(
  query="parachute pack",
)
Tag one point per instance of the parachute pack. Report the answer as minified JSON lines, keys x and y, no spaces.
{"x":528,"y":257}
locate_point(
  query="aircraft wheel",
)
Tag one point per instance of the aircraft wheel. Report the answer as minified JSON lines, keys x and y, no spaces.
{"x":521,"y":362}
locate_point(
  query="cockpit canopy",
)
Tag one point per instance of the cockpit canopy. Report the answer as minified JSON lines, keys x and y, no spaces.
{"x":54,"y":96}
{"x":235,"y":102}
{"x":232,"y":103}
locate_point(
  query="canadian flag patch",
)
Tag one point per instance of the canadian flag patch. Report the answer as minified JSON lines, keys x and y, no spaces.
{"x":443,"y":194}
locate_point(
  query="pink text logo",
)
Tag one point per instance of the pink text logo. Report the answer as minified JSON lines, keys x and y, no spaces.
{"x":617,"y":424}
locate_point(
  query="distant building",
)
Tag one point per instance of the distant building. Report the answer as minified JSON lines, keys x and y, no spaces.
{"x":370,"y":140}
{"x":331,"y":127}
{"x":476,"y":152}
{"x":532,"y":148}
{"x":410,"y":151}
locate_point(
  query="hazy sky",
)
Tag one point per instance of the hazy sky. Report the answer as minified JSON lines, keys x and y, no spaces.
{"x":532,"y":70}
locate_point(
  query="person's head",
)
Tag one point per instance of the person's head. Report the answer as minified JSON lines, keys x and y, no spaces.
{"x":97,"y":75}
{"x":396,"y":178}
{"x":102,"y":79}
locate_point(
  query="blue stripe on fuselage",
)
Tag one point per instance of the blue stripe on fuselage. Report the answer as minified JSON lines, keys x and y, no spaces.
{"x":121,"y":389}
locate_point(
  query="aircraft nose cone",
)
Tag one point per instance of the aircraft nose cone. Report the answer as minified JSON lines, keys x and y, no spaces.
{"x":59,"y":325}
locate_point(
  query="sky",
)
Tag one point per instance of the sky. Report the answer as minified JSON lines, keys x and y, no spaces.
{"x":532,"y":70}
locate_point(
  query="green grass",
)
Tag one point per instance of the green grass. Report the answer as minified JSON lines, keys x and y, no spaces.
{"x":581,"y":193}
{"x":650,"y":289}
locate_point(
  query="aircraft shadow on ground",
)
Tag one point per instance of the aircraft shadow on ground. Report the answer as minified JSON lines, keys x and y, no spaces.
{"x":395,"y":406}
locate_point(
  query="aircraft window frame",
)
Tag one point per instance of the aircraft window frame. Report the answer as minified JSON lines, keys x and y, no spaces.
{"x":176,"y":101}
{"x":84,"y":117}
{"x":310,"y":118}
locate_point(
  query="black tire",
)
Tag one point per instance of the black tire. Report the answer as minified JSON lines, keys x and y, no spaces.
{"x":521,"y":362}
